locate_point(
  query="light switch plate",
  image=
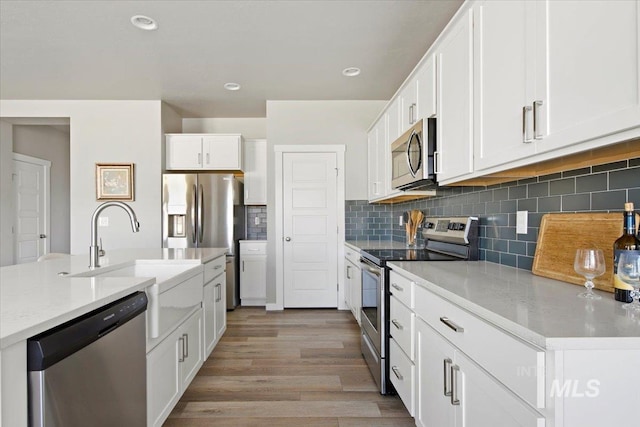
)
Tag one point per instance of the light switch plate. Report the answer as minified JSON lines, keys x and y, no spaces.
{"x":103,"y":221}
{"x":256,"y":220}
{"x":522,"y":222}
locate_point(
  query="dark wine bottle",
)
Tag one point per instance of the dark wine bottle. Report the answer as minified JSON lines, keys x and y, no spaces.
{"x":627,"y":242}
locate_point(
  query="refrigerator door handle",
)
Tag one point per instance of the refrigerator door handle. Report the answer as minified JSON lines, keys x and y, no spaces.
{"x":193,"y":215}
{"x":201,"y":214}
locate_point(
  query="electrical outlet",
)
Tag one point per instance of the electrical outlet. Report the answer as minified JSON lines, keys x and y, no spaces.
{"x":400,"y":220}
{"x":257,"y":220}
{"x":103,"y":221}
{"x":522,"y":222}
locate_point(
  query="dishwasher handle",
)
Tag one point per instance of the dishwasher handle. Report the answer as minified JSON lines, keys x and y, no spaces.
{"x":50,"y":347}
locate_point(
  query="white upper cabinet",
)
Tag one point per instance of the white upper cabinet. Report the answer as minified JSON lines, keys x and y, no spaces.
{"x":427,"y":100}
{"x":504,"y":89}
{"x":409,"y":104}
{"x":587,"y":78}
{"x":255,"y":172}
{"x":379,"y":156}
{"x":455,"y":93}
{"x":204,"y":151}
{"x":549,"y":74}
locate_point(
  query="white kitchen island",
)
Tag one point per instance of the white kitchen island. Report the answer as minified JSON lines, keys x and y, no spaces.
{"x":493,"y":345}
{"x":36,"y":297}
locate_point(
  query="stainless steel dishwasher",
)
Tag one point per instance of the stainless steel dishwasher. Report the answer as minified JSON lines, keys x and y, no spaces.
{"x":91,"y":371}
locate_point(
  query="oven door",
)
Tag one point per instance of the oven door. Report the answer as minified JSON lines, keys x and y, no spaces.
{"x":372,"y":311}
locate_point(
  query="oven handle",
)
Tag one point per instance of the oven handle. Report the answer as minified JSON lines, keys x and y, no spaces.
{"x":370,"y":267}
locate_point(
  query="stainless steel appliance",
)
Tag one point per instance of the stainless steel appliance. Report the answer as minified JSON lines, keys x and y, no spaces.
{"x":91,"y":370}
{"x":446,"y":239}
{"x":205,"y":210}
{"x":414,"y":157}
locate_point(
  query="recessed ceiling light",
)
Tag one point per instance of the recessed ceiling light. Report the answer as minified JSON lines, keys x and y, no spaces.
{"x":351,"y":71}
{"x":144,"y":22}
{"x":232,"y":86}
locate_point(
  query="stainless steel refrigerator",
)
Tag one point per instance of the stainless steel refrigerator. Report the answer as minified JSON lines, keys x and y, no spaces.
{"x":205,"y":210}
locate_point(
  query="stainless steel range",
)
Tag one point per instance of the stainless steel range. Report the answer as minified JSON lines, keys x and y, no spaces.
{"x":446,"y":239}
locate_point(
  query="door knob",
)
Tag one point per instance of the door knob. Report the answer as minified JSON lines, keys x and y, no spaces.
{"x":43,"y":236}
{"x":288,"y":239}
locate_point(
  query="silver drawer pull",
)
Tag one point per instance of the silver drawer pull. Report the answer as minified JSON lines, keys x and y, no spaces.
{"x":452,"y":325}
{"x":185,"y":346}
{"x":217,"y":267}
{"x":397,"y":372}
{"x":447,"y":365}
{"x":397,"y":324}
{"x":454,"y":385}
{"x":181,"y":356}
{"x":394,"y":286}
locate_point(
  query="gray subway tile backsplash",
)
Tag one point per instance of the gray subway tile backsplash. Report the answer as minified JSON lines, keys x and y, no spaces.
{"x":256,"y":232}
{"x":603,"y":188}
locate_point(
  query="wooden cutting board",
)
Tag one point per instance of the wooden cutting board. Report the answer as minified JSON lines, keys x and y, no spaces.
{"x":561,"y":235}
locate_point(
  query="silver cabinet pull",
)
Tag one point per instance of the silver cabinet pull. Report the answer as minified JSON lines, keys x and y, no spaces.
{"x":525,"y":124}
{"x":397,"y":372}
{"x":217,"y":267}
{"x":454,"y":385}
{"x":185,"y":345}
{"x":199,"y":158}
{"x":436,"y":156}
{"x":397,"y":324}
{"x":348,"y":268}
{"x":411,"y":114}
{"x":181,"y":357}
{"x":208,"y":162}
{"x":536,"y":119}
{"x":396,"y":287}
{"x":446,"y":381}
{"x":451,"y":324}
{"x":243,"y":266}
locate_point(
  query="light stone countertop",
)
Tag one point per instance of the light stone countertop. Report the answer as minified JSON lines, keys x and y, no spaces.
{"x":542,"y":311}
{"x":34,"y":298}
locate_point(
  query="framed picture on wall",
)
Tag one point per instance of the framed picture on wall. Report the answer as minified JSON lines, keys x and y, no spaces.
{"x":114,"y":181}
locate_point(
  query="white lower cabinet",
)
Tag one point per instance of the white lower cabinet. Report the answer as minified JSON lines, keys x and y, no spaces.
{"x":220,"y":308}
{"x":352,"y":281}
{"x":451,"y":390}
{"x":253,"y":272}
{"x":215,"y":282}
{"x":171,"y":366}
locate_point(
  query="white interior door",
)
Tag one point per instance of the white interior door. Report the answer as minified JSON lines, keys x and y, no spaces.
{"x":31,"y":190}
{"x":310,"y":229}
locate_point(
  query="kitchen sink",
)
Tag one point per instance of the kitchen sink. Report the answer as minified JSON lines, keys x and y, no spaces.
{"x":165,"y":272}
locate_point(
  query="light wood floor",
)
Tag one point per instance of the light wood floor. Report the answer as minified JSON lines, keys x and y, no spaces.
{"x":291,"y":368}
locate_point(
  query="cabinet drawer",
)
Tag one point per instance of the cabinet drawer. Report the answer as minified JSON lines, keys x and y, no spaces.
{"x":402,"y":288}
{"x":352,"y":255}
{"x":253,"y":248}
{"x":401,"y":326}
{"x":214,"y":268}
{"x":518,"y":365}
{"x":401,"y":372}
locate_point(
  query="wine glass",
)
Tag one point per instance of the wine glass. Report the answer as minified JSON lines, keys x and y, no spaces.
{"x":629,"y":272}
{"x":590,"y":264}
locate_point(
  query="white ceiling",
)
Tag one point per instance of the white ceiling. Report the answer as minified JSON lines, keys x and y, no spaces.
{"x":277,"y":50}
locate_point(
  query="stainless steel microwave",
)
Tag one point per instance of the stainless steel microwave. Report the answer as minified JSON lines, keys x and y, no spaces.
{"x":412,"y":157}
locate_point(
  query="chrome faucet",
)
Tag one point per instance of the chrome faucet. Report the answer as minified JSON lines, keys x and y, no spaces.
{"x":94,"y":249}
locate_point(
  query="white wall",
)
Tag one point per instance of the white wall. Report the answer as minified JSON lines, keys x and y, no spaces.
{"x":312,"y":123}
{"x":249,"y":127}
{"x":103,"y":132}
{"x":171,"y":123}
{"x":6,"y":193}
{"x":49,"y":143}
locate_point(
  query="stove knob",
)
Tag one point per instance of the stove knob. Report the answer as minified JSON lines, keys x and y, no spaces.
{"x":451,"y":225}
{"x":462,"y":226}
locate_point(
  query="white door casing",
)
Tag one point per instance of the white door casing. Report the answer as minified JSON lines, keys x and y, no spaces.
{"x":31,"y":181}
{"x":300,"y":170}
